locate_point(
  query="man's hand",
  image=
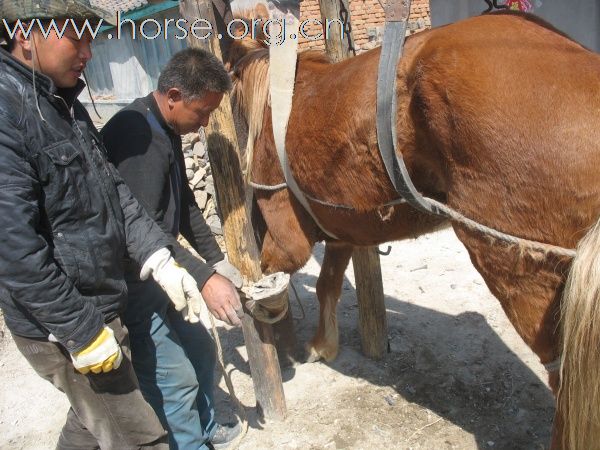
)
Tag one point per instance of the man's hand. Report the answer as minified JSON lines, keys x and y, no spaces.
{"x":222,"y":300}
{"x":229,"y":271}
{"x":102,"y":354}
{"x":178,"y":284}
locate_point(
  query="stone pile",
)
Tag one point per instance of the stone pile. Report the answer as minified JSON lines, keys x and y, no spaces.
{"x":200,"y":179}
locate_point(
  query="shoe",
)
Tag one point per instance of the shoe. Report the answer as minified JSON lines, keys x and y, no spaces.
{"x":226,"y":433}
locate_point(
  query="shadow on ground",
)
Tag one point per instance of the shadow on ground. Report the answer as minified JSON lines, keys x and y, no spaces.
{"x":456,"y":366}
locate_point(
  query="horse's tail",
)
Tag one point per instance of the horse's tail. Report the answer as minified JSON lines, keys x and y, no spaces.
{"x":579,"y":393}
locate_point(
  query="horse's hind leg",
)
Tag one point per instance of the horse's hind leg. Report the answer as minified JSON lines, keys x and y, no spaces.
{"x":329,"y":287}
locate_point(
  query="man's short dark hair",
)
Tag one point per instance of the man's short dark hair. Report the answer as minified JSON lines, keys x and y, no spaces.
{"x":6,"y":43}
{"x":194,"y":72}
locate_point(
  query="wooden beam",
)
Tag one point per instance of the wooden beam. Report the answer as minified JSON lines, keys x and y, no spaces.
{"x":339,"y":44}
{"x":371,"y":302}
{"x":367,"y":267}
{"x":242,"y":250}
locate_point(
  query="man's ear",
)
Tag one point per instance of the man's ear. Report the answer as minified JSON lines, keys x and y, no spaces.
{"x":174,"y":96}
{"x":22,"y":41}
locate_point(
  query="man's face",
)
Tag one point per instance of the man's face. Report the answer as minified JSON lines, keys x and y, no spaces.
{"x":61,"y":59}
{"x":189,"y":116}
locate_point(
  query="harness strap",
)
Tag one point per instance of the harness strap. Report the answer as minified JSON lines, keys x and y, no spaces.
{"x":282,"y":73}
{"x":396,"y":18}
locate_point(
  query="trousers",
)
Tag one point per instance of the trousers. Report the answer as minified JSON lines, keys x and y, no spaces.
{"x":107,"y":410}
{"x":174,"y":361}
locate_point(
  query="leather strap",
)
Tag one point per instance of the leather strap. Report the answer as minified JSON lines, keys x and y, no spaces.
{"x":282,"y":73}
{"x":396,"y":13}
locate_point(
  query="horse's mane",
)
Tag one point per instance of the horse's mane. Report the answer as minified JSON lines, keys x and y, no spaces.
{"x":251,"y":95}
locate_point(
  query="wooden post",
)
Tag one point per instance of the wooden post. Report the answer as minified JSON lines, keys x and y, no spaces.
{"x":367,"y":268}
{"x":338,"y":42}
{"x":242,"y":250}
{"x":371,"y":303}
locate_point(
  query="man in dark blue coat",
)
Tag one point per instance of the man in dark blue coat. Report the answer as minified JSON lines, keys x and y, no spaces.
{"x":67,"y":223}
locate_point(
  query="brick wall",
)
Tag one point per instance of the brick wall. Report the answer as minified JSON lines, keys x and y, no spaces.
{"x":366,"y":21}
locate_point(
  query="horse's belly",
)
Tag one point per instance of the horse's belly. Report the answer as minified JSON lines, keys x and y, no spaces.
{"x":385,"y":224}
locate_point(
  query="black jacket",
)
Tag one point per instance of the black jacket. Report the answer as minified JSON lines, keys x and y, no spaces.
{"x":148,"y":155}
{"x":66,"y":217}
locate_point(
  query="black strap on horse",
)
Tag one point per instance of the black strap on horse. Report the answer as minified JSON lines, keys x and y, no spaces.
{"x":396,"y":23}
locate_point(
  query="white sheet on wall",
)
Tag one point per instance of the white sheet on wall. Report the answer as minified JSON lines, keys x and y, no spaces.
{"x":580,"y":19}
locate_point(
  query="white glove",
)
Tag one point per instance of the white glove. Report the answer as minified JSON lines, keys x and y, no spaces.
{"x":178,"y":284}
{"x":102,"y":354}
{"x":230,"y":272}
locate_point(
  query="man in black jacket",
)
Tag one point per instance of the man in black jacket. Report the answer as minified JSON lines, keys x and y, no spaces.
{"x":144,"y":142}
{"x":67,"y":220}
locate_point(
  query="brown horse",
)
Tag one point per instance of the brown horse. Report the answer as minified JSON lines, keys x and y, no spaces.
{"x":498,"y":117}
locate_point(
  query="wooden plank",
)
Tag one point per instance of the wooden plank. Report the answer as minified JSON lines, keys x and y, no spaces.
{"x":371,"y":305}
{"x":242,"y":250}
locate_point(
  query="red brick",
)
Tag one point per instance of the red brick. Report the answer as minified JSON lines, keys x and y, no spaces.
{"x":365,"y":15}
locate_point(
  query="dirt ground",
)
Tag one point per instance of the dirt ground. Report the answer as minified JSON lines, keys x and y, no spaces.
{"x":457,"y":376}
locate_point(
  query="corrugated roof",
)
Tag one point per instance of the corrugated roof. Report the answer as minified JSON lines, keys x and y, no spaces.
{"x":119,"y":5}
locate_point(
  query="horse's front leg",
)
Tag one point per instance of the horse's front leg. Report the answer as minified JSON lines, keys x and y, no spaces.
{"x":329,"y":287}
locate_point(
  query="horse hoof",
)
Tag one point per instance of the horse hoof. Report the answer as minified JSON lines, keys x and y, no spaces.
{"x":329,"y":355}
{"x":313,"y":355}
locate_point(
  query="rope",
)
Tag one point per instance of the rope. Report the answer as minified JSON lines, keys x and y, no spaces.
{"x":264,"y":187}
{"x":469,"y":223}
{"x":277,"y":187}
{"x":457,"y":217}
{"x":333,"y":205}
{"x":298,"y":301}
{"x":238,"y":404}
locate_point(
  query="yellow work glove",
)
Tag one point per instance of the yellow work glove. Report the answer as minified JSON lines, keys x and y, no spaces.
{"x":102,"y":354}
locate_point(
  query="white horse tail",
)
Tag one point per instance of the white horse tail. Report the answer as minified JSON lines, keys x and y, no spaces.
{"x":579,"y":393}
